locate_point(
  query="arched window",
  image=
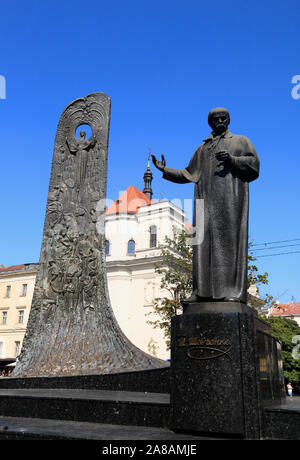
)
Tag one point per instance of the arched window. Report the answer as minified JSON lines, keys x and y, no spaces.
{"x":153,"y":236}
{"x":131,"y":247}
{"x":107,"y":247}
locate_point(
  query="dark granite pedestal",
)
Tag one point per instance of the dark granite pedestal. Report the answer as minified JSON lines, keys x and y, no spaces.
{"x":225,"y":367}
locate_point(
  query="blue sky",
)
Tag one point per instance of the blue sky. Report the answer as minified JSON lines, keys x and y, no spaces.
{"x":164,"y":64}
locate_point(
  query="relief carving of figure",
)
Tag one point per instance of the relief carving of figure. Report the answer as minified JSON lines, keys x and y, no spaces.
{"x":80,"y":149}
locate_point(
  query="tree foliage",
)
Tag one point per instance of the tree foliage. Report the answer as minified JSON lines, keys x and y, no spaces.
{"x":285,"y":329}
{"x":257,"y":279}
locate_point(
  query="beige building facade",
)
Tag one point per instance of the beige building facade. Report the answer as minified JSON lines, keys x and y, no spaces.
{"x":16,"y":291}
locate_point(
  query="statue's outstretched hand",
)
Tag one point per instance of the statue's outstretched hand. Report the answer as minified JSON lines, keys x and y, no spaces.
{"x":159,"y":164}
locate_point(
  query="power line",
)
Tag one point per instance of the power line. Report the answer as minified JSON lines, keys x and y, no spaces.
{"x":277,"y":247}
{"x":279,"y":254}
{"x":275,"y":242}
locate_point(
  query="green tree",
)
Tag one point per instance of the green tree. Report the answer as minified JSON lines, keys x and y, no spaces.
{"x":284,"y":329}
{"x":257,"y":279}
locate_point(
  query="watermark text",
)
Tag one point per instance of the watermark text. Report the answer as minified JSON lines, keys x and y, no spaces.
{"x":2,"y":87}
{"x":296,"y":88}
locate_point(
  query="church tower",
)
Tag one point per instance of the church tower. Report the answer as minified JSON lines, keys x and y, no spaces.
{"x":148,"y":176}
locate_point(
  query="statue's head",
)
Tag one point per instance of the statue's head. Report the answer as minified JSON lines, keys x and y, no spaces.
{"x":219,"y":119}
{"x":82,"y":134}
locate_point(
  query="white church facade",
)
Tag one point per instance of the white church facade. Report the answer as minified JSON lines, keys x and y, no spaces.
{"x":135,"y":227}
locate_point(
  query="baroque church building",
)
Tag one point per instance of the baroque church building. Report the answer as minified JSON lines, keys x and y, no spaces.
{"x":135,"y":227}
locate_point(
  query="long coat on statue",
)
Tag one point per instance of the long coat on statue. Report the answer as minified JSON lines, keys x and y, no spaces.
{"x":220,"y":261}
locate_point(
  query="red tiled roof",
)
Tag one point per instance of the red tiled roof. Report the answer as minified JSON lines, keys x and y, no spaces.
{"x":12,"y":268}
{"x":187,"y":225}
{"x":286,"y":309}
{"x":129,"y":202}
{"x":16,"y":268}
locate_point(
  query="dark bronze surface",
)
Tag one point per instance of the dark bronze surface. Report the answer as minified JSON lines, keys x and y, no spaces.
{"x":221,"y":169}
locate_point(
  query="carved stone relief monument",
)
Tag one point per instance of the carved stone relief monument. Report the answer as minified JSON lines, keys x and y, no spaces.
{"x":71,"y":328}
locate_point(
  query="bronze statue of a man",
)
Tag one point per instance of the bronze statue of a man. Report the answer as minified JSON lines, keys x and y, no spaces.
{"x":221,"y":169}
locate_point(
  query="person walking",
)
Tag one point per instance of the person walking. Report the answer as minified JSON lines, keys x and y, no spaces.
{"x":289,"y":389}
